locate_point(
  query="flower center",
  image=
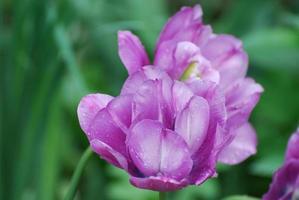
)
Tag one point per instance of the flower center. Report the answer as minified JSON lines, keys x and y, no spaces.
{"x":190,"y":72}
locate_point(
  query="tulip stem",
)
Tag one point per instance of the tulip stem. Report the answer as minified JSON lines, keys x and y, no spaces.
{"x":162,"y":196}
{"x":77,"y":174}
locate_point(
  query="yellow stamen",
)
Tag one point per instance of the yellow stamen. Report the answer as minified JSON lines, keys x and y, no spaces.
{"x":188,"y":72}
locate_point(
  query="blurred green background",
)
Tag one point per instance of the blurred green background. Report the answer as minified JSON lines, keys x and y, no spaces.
{"x":54,"y":52}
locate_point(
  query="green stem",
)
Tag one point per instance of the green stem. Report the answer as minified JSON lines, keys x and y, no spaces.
{"x":162,"y":196}
{"x":77,"y":174}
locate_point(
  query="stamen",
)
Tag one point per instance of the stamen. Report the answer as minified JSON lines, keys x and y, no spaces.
{"x":189,"y":72}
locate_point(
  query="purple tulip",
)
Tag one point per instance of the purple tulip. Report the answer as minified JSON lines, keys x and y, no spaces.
{"x":174,"y":120}
{"x":158,"y":130}
{"x":285,"y":183}
{"x":189,"y":51}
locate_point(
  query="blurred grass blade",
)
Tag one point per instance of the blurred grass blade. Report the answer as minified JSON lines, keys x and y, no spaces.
{"x":28,"y":147}
{"x":50,"y":156}
{"x":64,"y":45}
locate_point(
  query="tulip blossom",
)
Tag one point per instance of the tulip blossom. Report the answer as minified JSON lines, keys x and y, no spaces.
{"x":175,"y":119}
{"x":285,"y":183}
{"x":158,"y":130}
{"x":189,"y":51}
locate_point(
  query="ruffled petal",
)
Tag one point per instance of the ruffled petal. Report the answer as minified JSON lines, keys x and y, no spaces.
{"x":131,"y":51}
{"x":131,"y":83}
{"x":104,"y":129}
{"x":189,"y":39}
{"x":293,"y":147}
{"x":283,"y":185}
{"x":233,"y":68}
{"x":163,"y":184}
{"x":192,"y":123}
{"x":215,"y":97}
{"x":242,"y":146}
{"x":164,"y":55}
{"x":200,"y":68}
{"x":219,"y":46}
{"x":218,"y":112}
{"x":152,"y":101}
{"x":120,"y":109}
{"x":203,"y":170}
{"x":186,"y":63}
{"x":176,"y":159}
{"x":228,"y":57}
{"x":158,"y":151}
{"x":89,"y":106}
{"x":183,"y":53}
{"x":177,"y":24}
{"x":181,"y":95}
{"x":109,"y":154}
{"x":186,"y":25}
{"x":144,"y":144}
{"x":241,"y":98}
{"x":145,"y":73}
{"x":205,"y":157}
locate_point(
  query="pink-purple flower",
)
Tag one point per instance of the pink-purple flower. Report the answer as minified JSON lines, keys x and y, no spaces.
{"x":285,"y":183}
{"x":176,"y":118}
{"x":189,"y":51}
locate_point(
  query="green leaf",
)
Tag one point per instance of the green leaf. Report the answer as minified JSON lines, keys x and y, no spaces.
{"x":50,"y":156}
{"x":273,"y":48}
{"x":68,"y":56}
{"x":240,"y":197}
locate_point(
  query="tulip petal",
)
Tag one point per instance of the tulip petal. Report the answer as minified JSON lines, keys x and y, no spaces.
{"x":131,"y":51}
{"x":203,"y":170}
{"x":163,"y":59}
{"x":151,"y":101}
{"x":104,"y":129}
{"x":129,"y":87}
{"x":179,"y":22}
{"x":219,"y":46}
{"x":163,"y":184}
{"x":109,"y":154}
{"x":241,"y":98}
{"x":284,"y":182}
{"x":206,"y":156}
{"x":176,"y":160}
{"x":226,"y":55}
{"x":293,"y":147}
{"x":120,"y":109}
{"x":214,"y":95}
{"x":145,"y":73}
{"x":156,"y":150}
{"x":89,"y":106}
{"x":189,"y":62}
{"x":192,"y":123}
{"x":186,"y":25}
{"x":183,"y":53}
{"x":205,"y":159}
{"x":242,"y":146}
{"x":199,"y":68}
{"x":233,"y":68}
{"x":218,"y":113}
{"x":181,"y":95}
{"x":196,"y":34}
